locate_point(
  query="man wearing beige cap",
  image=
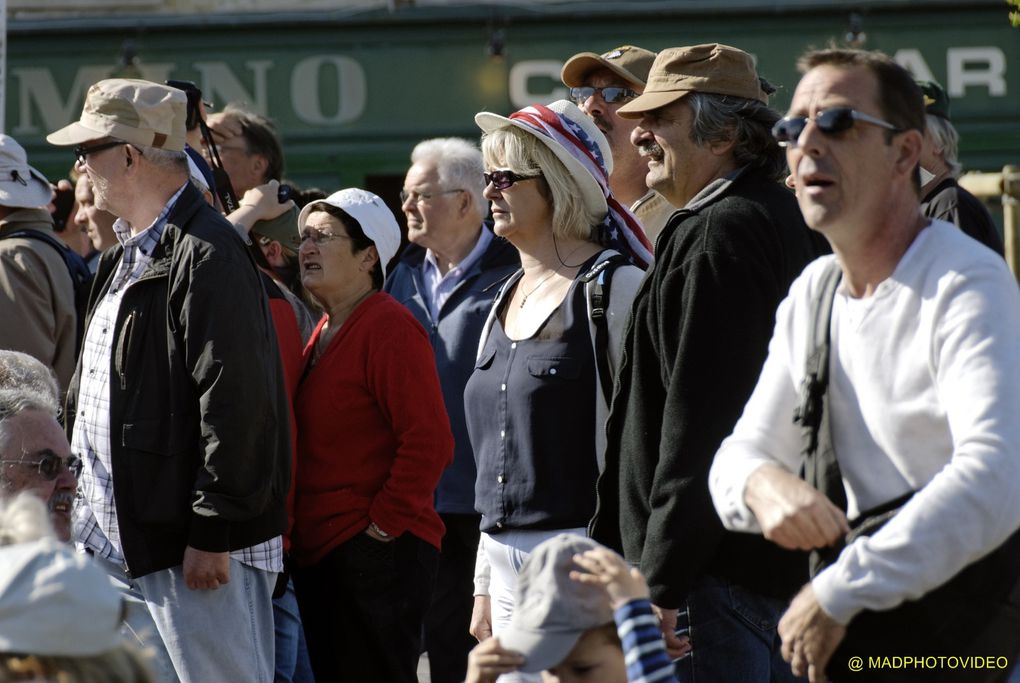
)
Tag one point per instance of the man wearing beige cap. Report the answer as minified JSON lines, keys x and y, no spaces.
{"x":185,"y":445}
{"x":697,"y":339}
{"x":600,"y":85}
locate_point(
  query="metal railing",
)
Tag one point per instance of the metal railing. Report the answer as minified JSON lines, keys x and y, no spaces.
{"x":1005,"y":185}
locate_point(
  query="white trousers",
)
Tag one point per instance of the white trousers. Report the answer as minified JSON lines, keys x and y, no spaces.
{"x":506,"y":553}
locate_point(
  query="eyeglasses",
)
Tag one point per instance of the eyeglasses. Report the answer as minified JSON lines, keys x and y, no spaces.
{"x":316,"y":236}
{"x":502,"y":178}
{"x":51,"y":464}
{"x":831,"y":122}
{"x":416,"y":197}
{"x":81,"y":151}
{"x":610,"y":95}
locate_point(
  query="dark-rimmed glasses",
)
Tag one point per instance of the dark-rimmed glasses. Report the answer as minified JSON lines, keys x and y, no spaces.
{"x":501,"y":179}
{"x":51,"y":464}
{"x":610,"y":95}
{"x":831,"y":122}
{"x":81,"y":152}
{"x":416,"y":197}
{"x":318,"y":237}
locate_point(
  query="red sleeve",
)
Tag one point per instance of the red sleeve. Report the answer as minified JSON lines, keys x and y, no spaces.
{"x":288,"y":339}
{"x":404,"y":380}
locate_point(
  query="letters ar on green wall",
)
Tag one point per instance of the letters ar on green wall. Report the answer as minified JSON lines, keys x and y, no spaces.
{"x":352,"y":98}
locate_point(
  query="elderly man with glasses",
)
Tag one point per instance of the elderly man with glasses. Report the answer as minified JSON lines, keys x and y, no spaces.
{"x":697,"y":339}
{"x":185,"y":443}
{"x":898,"y":357}
{"x":600,"y":84}
{"x":34,"y":453}
{"x":447,"y":279}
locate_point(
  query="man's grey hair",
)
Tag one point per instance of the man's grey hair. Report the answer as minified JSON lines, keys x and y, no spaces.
{"x":945,"y":137}
{"x":459,"y":164}
{"x":15,"y":401}
{"x":747,"y":123}
{"x":168,"y":160}
{"x":23,"y":519}
{"x":20,"y":370}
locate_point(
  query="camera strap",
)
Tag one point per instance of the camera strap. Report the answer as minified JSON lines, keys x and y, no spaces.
{"x":224,"y":188}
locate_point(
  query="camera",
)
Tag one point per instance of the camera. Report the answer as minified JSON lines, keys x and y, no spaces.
{"x":194,"y":100}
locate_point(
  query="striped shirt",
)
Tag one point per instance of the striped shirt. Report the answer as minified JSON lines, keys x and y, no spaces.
{"x":95,"y":513}
{"x":643,"y":649}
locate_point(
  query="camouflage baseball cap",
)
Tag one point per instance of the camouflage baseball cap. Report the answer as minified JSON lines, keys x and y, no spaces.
{"x":627,"y":61}
{"x":936,"y":101}
{"x":140,"y":112}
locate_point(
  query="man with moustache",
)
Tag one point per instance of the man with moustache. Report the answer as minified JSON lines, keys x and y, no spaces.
{"x":34,"y":453}
{"x":921,"y":402}
{"x":696,"y":342}
{"x":600,"y":85}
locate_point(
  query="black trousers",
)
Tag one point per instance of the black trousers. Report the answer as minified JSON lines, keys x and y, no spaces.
{"x":446,"y":624}
{"x":363,"y":606}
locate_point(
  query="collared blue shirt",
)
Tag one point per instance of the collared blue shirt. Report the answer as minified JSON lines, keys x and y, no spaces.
{"x":438,"y":287}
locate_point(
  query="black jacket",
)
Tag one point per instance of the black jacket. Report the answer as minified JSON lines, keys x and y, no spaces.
{"x":198,"y":412}
{"x":949,"y":202}
{"x":696,"y":342}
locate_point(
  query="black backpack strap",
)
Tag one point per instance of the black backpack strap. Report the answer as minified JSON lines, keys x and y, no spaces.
{"x":819,"y":465}
{"x":597,"y":283}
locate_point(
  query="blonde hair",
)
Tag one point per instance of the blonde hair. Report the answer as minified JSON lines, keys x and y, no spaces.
{"x":524,"y":154}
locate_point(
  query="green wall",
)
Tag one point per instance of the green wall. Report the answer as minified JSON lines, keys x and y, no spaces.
{"x":352,"y":94}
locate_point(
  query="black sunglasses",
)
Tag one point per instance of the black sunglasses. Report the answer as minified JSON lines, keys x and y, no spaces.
{"x":610,"y":95}
{"x":502,"y":179}
{"x":81,"y":151}
{"x":51,"y":464}
{"x":831,"y":121}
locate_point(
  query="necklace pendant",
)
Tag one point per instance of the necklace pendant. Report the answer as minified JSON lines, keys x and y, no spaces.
{"x":524,"y":300}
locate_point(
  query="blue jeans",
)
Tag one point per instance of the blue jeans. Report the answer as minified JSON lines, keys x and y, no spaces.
{"x":224,"y":634}
{"x":292,"y":665}
{"x":138,"y":627}
{"x":733,"y":636}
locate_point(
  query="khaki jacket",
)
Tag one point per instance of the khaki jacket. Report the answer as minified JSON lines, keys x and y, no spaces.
{"x":37,"y":314}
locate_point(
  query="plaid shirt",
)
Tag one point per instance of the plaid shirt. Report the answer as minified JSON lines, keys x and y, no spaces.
{"x":95,"y":525}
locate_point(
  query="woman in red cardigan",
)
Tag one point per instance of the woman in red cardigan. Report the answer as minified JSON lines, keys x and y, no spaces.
{"x":373,"y":439}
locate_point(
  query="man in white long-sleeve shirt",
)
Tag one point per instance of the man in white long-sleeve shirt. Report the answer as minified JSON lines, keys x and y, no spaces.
{"x":923,"y":396}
